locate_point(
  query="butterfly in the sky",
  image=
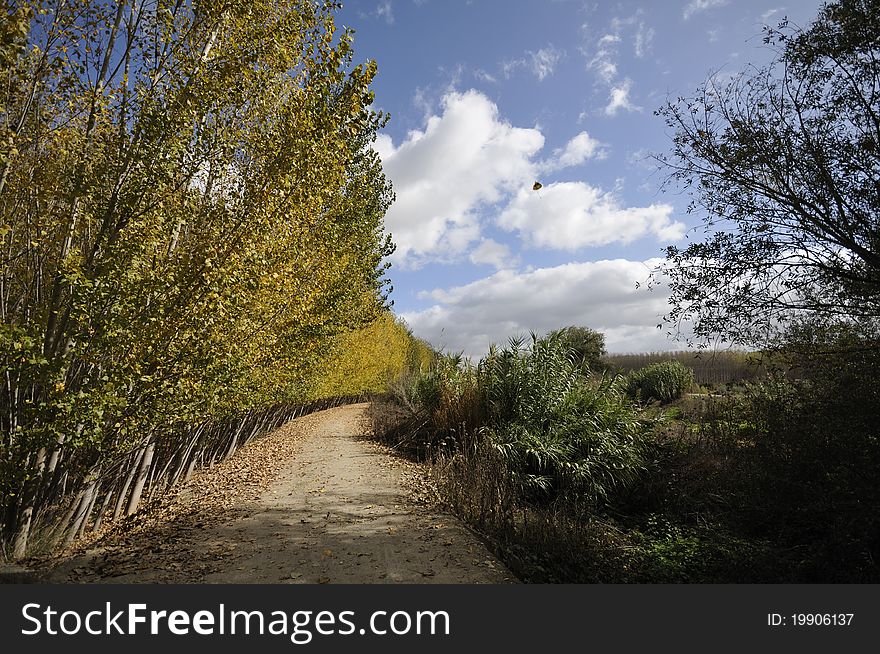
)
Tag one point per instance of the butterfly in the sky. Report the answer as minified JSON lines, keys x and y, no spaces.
{"x":537,"y":186}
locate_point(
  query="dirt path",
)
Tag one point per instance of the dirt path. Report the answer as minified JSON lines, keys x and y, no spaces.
{"x":313,"y":502}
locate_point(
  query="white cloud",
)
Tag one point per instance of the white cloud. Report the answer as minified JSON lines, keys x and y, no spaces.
{"x":572,"y":215}
{"x":644,"y":40}
{"x":767,"y":15}
{"x":481,"y":74}
{"x":509,"y":66}
{"x":643,"y":158}
{"x":619,"y":98}
{"x":492,"y":253}
{"x":541,"y":63}
{"x":465,"y":158}
{"x":468,"y":163}
{"x":601,"y":295}
{"x":696,"y":6}
{"x":604,"y":59}
{"x":576,"y":151}
{"x":422,"y":102}
{"x":384,"y":146}
{"x":544,"y":61}
{"x":384,"y":10}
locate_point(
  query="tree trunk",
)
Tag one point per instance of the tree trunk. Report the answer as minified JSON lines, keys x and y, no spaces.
{"x":85,"y":499}
{"x":22,"y":533}
{"x":184,"y":460}
{"x":80,"y":529}
{"x":141,"y":479}
{"x":26,"y":507}
{"x":103,"y":511}
{"x":123,"y":494}
{"x":231,"y":450}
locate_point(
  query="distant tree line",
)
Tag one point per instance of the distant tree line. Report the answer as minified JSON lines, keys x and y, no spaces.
{"x":708,"y":367}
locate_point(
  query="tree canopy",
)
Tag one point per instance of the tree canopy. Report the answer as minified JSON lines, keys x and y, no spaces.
{"x":586,"y":344}
{"x":783,"y":162}
{"x":190,"y":218}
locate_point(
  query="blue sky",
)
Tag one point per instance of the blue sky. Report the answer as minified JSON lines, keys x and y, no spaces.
{"x":488,"y":96}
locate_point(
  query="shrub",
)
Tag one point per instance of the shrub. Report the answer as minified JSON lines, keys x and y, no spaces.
{"x":587,"y":345}
{"x":816,"y":454}
{"x":560,"y":434}
{"x":430,"y":410}
{"x":665,"y":382}
{"x":591,"y":446}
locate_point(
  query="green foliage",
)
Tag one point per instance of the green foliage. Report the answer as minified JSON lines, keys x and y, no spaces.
{"x":816,"y":453}
{"x":560,"y":435}
{"x":710,"y":368}
{"x":783,"y":161}
{"x":191,"y":219}
{"x":773,"y":481}
{"x":559,"y":432}
{"x":664,"y":551}
{"x":664,"y":382}
{"x":784,"y":164}
{"x":587,"y":345}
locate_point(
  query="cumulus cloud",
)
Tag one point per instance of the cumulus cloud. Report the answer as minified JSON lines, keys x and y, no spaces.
{"x":601,"y":295}
{"x":465,"y":158}
{"x":578,"y":150}
{"x":384,"y":145}
{"x":490,"y":252}
{"x":572,"y":215}
{"x":468,"y":164}
{"x":697,"y":6}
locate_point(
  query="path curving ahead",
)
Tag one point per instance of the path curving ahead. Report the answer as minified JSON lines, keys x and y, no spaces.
{"x":314,"y":502}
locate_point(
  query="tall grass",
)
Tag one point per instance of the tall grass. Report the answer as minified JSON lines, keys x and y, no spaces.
{"x":559,"y":433}
{"x":665,"y":381}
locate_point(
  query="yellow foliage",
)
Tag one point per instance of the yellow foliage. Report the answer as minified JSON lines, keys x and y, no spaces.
{"x":366,"y":360}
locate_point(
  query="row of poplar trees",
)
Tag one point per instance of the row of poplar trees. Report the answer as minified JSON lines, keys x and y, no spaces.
{"x":190,"y":219}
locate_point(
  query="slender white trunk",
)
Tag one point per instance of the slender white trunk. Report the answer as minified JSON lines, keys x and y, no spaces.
{"x":123,"y":494}
{"x":99,"y":519}
{"x":85,"y":498}
{"x":22,"y":534}
{"x":141,"y":479}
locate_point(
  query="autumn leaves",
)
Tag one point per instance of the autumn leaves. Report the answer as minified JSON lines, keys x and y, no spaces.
{"x":191,"y":219}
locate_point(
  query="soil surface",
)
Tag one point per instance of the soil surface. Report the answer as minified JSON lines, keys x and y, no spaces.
{"x":313,"y":502}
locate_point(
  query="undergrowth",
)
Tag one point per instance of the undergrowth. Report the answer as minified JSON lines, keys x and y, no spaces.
{"x":571,"y":479}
